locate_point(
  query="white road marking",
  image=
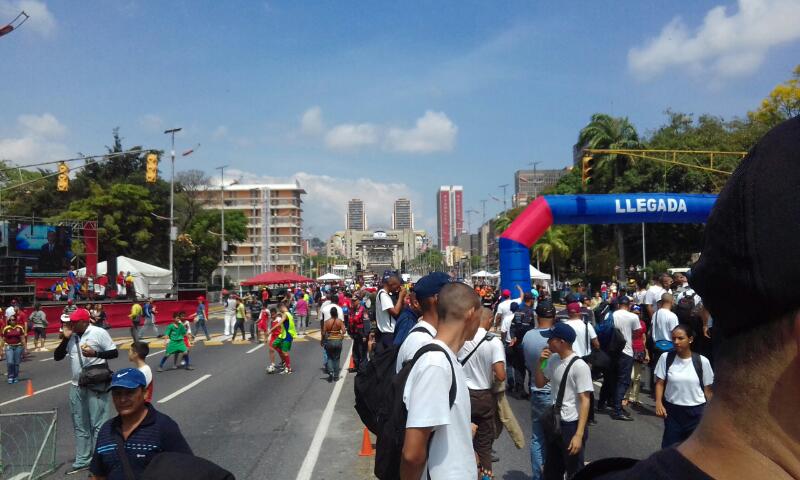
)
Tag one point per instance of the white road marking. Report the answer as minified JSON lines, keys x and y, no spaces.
{"x":46,"y":359}
{"x":256,"y":347}
{"x":184,"y":389}
{"x":307,"y":468}
{"x":156,"y":353}
{"x":36,"y":392}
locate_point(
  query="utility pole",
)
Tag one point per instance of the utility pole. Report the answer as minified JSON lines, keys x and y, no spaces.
{"x":505,"y":202}
{"x":173,"y":234}
{"x":535,"y":181}
{"x":469,"y":219}
{"x":222,"y":224}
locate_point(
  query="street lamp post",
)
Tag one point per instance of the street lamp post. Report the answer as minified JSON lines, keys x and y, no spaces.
{"x":222,"y":225}
{"x":173,"y":235}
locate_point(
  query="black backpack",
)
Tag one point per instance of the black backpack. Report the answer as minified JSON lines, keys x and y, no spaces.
{"x":600,"y":312}
{"x":697,"y":363}
{"x":389,"y":447}
{"x":685,"y":308}
{"x":373,"y":384}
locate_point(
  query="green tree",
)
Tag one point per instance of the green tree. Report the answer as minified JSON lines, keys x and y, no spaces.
{"x":610,"y":133}
{"x":550,"y":245}
{"x":125,"y":226}
{"x":199,"y":245}
{"x":506,"y":218}
{"x":782,"y":103}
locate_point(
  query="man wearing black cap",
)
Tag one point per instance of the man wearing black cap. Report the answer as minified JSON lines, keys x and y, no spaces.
{"x":628,"y":324}
{"x":139,"y":430}
{"x":426,"y":295}
{"x":532,"y":345}
{"x":750,"y":429}
{"x":565,"y":455}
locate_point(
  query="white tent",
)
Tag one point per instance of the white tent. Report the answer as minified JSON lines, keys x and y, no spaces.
{"x":537,"y":275}
{"x":149,"y":280}
{"x":482,"y":274}
{"x":329,"y":277}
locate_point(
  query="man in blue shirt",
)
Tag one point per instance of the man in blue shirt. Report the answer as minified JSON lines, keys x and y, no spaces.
{"x":138,"y":429}
{"x":532,"y":345}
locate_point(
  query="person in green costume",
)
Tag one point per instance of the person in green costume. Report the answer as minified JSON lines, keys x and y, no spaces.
{"x":175,"y":332}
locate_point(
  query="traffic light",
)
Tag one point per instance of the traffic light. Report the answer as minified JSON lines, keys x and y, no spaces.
{"x":62,"y":183}
{"x":151,"y":174}
{"x":587,"y":170}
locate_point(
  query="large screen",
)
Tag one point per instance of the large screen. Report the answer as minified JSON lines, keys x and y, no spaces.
{"x":31,"y":238}
{"x":51,"y":244}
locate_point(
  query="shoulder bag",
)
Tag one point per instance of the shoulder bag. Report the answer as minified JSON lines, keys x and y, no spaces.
{"x":94,"y":377}
{"x":551,"y":418}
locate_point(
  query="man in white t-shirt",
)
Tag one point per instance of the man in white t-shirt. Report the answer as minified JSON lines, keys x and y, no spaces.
{"x":628,"y":324}
{"x":484,"y":361}
{"x":664,"y":320}
{"x":581,"y":347}
{"x":387,"y":310}
{"x":85,"y":345}
{"x":426,"y":292}
{"x":504,"y":313}
{"x":449,"y":453}
{"x":575,"y":403}
{"x":654,"y":293}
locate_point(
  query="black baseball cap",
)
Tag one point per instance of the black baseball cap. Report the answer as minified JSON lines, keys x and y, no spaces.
{"x":752,"y":215}
{"x":546,"y":309}
{"x":431,"y":284}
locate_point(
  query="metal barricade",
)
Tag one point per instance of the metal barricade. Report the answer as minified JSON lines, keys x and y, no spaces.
{"x":27,"y":444}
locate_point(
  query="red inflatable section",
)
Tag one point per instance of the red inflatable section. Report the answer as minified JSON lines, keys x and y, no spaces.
{"x":117,"y":312}
{"x":531,"y":223}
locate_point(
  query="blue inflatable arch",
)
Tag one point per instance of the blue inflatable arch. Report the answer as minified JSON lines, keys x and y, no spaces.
{"x":547,"y":210}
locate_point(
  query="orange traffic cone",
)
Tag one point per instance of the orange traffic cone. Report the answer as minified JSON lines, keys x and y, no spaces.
{"x":352,"y":367}
{"x":29,"y":390}
{"x":366,"y":445}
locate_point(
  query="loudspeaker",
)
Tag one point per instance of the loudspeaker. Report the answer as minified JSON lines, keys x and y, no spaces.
{"x":111,"y":270}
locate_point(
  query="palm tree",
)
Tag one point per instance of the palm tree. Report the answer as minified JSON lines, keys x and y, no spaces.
{"x":609,"y":133}
{"x":551,"y":244}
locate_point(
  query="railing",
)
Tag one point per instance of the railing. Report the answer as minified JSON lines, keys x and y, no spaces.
{"x":28,"y":444}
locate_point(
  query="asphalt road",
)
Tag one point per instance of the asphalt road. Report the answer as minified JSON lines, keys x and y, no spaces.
{"x":255,"y":425}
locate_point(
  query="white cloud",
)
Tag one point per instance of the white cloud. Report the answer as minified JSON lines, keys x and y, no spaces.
{"x":152,"y":122}
{"x":311,"y":122}
{"x":36,"y":142}
{"x":41,"y":19}
{"x":220,"y":132}
{"x":351,"y":136}
{"x":725,"y":45}
{"x":327,"y":196}
{"x":45,"y":125}
{"x":433,"y":132}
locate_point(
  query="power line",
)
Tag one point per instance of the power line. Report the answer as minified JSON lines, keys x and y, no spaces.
{"x":76,"y":159}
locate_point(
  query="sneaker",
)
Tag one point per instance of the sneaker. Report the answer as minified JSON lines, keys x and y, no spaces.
{"x":16,"y":380}
{"x":73,"y":470}
{"x":592,"y":422}
{"x":330,"y":378}
{"x":10,"y":381}
{"x":286,"y":371}
{"x":621,"y":416}
{"x":189,"y":367}
{"x":159,"y":369}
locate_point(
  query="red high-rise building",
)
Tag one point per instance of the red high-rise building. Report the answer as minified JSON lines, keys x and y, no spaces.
{"x":449,"y":214}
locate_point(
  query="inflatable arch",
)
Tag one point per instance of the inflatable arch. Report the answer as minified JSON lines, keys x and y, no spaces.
{"x":549,"y":210}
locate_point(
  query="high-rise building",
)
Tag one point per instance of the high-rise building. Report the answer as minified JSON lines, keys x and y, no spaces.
{"x":529,"y":184}
{"x":274,"y":226}
{"x":402,"y":216}
{"x":449,"y":214}
{"x":356,"y":215}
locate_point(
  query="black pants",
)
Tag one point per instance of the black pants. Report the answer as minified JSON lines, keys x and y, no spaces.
{"x":239,"y":325}
{"x":387,"y":339}
{"x":609,"y":388}
{"x":518,"y":364}
{"x":359,"y":349}
{"x":680,"y":422}
{"x":558,"y":460}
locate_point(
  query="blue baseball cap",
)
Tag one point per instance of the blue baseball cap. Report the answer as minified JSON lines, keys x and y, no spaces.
{"x":561,"y":330}
{"x":129,"y":378}
{"x":431,"y":284}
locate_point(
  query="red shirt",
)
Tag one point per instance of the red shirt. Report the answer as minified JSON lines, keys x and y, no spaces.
{"x":12,"y":334}
{"x":637,"y":342}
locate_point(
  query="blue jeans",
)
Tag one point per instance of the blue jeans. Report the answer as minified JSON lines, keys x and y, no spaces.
{"x":624,"y":367}
{"x":334,"y":351}
{"x":13,"y":359}
{"x":539,"y":402}
{"x":89,"y":411}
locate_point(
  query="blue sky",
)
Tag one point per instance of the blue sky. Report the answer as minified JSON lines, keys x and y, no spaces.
{"x":376,"y":99}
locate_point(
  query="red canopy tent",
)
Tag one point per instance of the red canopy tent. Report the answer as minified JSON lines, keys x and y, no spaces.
{"x":272,"y":278}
